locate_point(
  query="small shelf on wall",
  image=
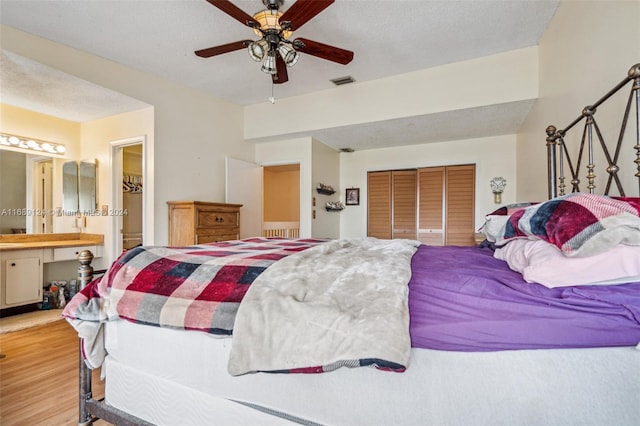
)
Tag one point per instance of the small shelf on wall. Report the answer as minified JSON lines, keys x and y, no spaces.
{"x":325,"y":191}
{"x":334,"y":206}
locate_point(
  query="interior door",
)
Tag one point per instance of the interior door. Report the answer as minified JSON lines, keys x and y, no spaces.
{"x":43,"y":190}
{"x":431,"y":192}
{"x":403,"y":203}
{"x":379,"y":204}
{"x":460,"y":205}
{"x":244,"y":186}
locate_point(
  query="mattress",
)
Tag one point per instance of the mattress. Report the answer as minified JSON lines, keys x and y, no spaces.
{"x":171,"y":377}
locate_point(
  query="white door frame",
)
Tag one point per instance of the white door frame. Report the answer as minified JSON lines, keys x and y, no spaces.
{"x":116,"y":166}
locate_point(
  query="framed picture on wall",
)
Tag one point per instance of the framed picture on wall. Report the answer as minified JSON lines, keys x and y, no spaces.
{"x":352,"y":197}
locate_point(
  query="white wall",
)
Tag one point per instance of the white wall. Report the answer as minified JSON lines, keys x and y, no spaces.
{"x":587,"y":49}
{"x":193,"y":132}
{"x":326,"y":169}
{"x":494,"y":156}
{"x":96,"y":137}
{"x":496,"y":79}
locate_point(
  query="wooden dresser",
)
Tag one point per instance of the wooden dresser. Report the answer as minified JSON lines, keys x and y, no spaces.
{"x":199,"y":222}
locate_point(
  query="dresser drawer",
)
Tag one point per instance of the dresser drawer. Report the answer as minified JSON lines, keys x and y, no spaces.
{"x":226,"y":235}
{"x":213,"y":219}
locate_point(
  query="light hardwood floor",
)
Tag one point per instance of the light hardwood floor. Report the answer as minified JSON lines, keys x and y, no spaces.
{"x":39,"y":377}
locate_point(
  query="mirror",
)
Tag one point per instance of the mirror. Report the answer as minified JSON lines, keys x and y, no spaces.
{"x":79,"y":187}
{"x":87,"y":187}
{"x":70,"y":187}
{"x":13,"y":192}
{"x":26,"y":193}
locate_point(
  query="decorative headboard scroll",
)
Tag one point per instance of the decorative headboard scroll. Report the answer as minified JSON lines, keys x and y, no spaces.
{"x":556,"y":161}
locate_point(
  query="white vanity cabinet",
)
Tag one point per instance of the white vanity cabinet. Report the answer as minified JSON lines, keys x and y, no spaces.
{"x":20,"y":277}
{"x":26,"y":264}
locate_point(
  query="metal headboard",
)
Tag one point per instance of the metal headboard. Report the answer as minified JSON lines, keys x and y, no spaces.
{"x":556,"y":161}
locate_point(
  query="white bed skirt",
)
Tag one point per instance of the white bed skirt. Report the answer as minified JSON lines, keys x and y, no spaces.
{"x":171,"y":377}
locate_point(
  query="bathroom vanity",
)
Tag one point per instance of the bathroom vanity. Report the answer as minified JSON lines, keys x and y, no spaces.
{"x":24,"y":258}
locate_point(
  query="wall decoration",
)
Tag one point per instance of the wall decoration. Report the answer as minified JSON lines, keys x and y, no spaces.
{"x":352,"y":197}
{"x":497,"y":187}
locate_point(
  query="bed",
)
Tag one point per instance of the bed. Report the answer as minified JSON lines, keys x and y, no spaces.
{"x":538,"y":325}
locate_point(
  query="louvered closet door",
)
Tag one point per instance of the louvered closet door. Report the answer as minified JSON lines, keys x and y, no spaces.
{"x":379,"y":204}
{"x":431,"y":206}
{"x":460,"y":205}
{"x":403,"y":197}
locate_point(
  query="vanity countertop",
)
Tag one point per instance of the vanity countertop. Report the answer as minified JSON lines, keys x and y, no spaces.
{"x":36,"y":241}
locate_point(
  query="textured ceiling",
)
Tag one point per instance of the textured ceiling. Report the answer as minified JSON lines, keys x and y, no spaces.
{"x":31,"y":85}
{"x":389,"y":37}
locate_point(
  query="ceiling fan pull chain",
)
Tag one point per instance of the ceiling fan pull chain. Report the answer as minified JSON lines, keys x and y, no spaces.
{"x":272,"y":98}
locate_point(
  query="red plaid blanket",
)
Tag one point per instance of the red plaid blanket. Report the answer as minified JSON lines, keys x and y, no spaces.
{"x":193,"y":288}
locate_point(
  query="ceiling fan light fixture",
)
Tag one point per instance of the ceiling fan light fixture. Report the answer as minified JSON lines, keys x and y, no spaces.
{"x":273,"y":47}
{"x":257,"y":50}
{"x":288,"y":54}
{"x":269,"y":64}
{"x":269,"y":20}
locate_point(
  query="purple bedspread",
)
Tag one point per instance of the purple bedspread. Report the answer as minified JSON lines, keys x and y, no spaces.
{"x":463,"y":299}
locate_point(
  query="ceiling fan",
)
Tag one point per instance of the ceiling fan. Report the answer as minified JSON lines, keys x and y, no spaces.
{"x":275,"y":49}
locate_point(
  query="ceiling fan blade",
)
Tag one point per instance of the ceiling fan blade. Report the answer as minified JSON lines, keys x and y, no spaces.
{"x":235,"y":12}
{"x":324,"y":51}
{"x":281,"y":75}
{"x":224,"y":48}
{"x":302,"y":11}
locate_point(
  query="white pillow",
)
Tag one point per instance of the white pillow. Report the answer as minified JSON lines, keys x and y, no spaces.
{"x":492,"y":228}
{"x":542,"y":262}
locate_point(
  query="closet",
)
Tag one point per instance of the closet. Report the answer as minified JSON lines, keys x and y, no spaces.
{"x":392,"y":204}
{"x":132,"y":196}
{"x":434,"y":205}
{"x":379,"y":205}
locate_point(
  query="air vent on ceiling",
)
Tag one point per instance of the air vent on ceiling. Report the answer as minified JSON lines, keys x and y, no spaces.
{"x":343,"y":80}
{"x":346,"y":149}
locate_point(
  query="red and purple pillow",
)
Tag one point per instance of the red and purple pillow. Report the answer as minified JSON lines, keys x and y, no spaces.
{"x":579,"y":224}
